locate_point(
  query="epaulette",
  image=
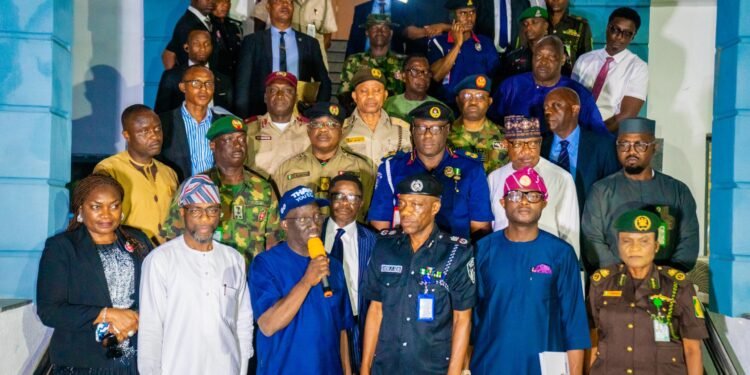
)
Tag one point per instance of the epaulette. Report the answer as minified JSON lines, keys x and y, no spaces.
{"x":602,"y":274}
{"x":459,"y":240}
{"x":672,"y":273}
{"x":251,"y":119}
{"x":389,"y":232}
{"x":468,"y":155}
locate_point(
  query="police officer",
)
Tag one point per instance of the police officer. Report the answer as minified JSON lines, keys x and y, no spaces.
{"x":473,"y":131}
{"x":573,"y":30}
{"x":325,"y":158}
{"x":421,"y":283}
{"x":465,"y":209}
{"x":647,"y":318}
{"x":249,"y":204}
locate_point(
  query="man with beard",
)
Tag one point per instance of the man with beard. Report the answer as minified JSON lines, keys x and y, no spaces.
{"x":639,"y":187}
{"x":149,"y":184}
{"x":195,"y":315}
{"x":248,"y":201}
{"x":417,"y":76}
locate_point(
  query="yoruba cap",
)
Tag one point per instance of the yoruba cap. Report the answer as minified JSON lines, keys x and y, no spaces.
{"x":377,"y":19}
{"x":298,"y":197}
{"x":525,"y":179}
{"x":638,"y":221}
{"x":432,"y":110}
{"x":226,"y":125}
{"x":458,"y":4}
{"x":421,"y":184}
{"x":637,"y":125}
{"x":198,"y":189}
{"x":282,"y":76}
{"x":533,"y":12}
{"x":321,"y":109}
{"x":475,"y":82}
{"x":520,"y":127}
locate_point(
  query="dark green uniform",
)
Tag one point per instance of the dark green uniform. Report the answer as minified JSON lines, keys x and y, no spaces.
{"x":575,"y":33}
{"x":487,"y":143}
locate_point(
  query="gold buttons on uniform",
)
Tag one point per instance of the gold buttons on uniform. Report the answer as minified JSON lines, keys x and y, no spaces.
{"x":630,"y":325}
{"x":604,"y":303}
{"x":629,"y":371}
{"x":674,"y":359}
{"x":630,"y":348}
{"x":632,"y":304}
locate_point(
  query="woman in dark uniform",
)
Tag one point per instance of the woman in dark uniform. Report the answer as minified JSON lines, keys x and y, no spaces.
{"x":646,"y":318}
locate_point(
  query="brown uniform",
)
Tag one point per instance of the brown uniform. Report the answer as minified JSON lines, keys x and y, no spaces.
{"x":391,"y":135}
{"x":621,"y":310}
{"x":268,"y":146}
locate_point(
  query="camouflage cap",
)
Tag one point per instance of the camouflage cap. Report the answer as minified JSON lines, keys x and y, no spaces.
{"x":638,"y":221}
{"x":533,"y":12}
{"x":365,"y":74}
{"x":377,"y":19}
{"x":226,"y":125}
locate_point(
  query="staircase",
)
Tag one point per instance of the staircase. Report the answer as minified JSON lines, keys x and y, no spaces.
{"x":335,"y":64}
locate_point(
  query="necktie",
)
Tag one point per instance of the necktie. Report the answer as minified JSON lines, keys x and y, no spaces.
{"x":504,"y":37}
{"x":337,"y":251}
{"x":564,"y":159}
{"x":599,"y":83}
{"x":282,"y":52}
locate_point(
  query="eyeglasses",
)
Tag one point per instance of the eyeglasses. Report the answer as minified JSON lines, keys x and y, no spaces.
{"x":531,"y":196}
{"x":321,"y":124}
{"x":416,"y":73}
{"x":198,"y":84}
{"x":627,"y":34}
{"x":640,"y":146}
{"x":197,"y":212}
{"x":468,"y":96}
{"x":342,"y":197}
{"x":532,"y":145}
{"x":286,"y":91}
{"x":304,"y":221}
{"x":422,"y":130}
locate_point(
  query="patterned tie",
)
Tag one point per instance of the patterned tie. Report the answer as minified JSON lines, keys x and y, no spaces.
{"x":282,"y":52}
{"x":337,"y":251}
{"x":599,"y":83}
{"x":564,"y":159}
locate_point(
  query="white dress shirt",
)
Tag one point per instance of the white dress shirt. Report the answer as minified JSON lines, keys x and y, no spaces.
{"x":195,"y":313}
{"x":351,"y":257}
{"x":560,"y":217}
{"x":627,"y":76}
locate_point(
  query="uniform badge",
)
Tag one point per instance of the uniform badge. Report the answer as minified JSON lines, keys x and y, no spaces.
{"x":448,"y":172}
{"x":237,"y":124}
{"x":471,"y":270}
{"x":604,"y":273}
{"x":463,"y":241}
{"x":390,"y":268}
{"x":354,"y":139}
{"x":478,"y":46}
{"x":262,"y":137}
{"x":498,"y":145}
{"x":238,"y":209}
{"x":334,"y":110}
{"x":672,"y":272}
{"x":376,"y":73}
{"x":597,"y":276}
{"x":416,"y":186}
{"x":262,"y":215}
{"x":435,"y":112}
{"x":470,"y":3}
{"x":698,"y":307}
{"x":454,"y":238}
{"x":679,"y":276}
{"x":642,"y":223}
{"x":297,"y":175}
{"x":612,"y":293}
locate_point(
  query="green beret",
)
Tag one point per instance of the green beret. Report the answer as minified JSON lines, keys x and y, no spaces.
{"x":638,"y":221}
{"x":533,"y":12}
{"x":474,"y":82}
{"x":458,"y":4}
{"x":377,"y":19}
{"x":637,"y":125}
{"x":365,"y":74}
{"x":420,"y":184}
{"x":226,"y":125}
{"x":432,"y":110}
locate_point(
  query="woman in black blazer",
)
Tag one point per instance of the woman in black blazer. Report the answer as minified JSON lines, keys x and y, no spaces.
{"x":88,"y":284}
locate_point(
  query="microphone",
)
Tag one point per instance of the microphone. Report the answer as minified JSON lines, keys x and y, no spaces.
{"x":316,"y":249}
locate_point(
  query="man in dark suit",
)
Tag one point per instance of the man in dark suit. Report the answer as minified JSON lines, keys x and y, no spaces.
{"x":196,"y":17}
{"x":263,"y":53}
{"x":199,"y":48}
{"x":352,"y":244}
{"x":357,"y":37}
{"x":494,"y":21}
{"x":186,"y":149}
{"x":588,"y":156}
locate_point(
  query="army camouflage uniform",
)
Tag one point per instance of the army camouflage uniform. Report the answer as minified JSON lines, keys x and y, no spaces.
{"x":268,"y":147}
{"x":487,"y":143}
{"x":248,"y":218}
{"x":575,"y":33}
{"x":389,"y":64}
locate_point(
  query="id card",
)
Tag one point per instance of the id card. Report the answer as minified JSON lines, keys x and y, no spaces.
{"x":311,"y":30}
{"x":425,"y":307}
{"x":661,"y":331}
{"x":238,"y":212}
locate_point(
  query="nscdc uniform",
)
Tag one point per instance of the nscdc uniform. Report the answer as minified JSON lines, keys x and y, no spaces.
{"x":575,"y":33}
{"x":641,"y":323}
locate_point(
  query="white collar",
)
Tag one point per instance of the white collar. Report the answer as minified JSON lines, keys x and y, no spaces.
{"x":203,"y":17}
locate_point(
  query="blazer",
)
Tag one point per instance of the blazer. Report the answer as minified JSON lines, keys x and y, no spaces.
{"x":175,"y":149}
{"x":72,"y":290}
{"x":357,"y":36}
{"x":255,"y":65}
{"x":187,"y":23}
{"x":596,"y":159}
{"x":169,"y":96}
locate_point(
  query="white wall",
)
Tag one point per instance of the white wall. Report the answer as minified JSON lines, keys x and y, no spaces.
{"x":24,"y":340}
{"x":681,"y":83}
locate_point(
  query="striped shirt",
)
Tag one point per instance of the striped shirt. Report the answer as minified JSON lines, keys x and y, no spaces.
{"x":201,"y":157}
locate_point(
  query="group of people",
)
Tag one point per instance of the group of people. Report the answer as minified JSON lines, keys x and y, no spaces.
{"x":251,"y":229}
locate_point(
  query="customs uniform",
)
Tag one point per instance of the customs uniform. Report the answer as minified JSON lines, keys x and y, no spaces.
{"x":575,"y":33}
{"x":641,"y":323}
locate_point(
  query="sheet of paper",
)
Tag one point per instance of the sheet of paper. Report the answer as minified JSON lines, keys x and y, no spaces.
{"x":554,"y":363}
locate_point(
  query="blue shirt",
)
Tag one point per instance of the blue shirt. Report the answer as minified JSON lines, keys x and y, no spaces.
{"x":310,"y":343}
{"x":466,"y":195}
{"x":520,"y":95}
{"x":471,"y":60}
{"x":292,"y":54}
{"x":529,"y":300}
{"x":201,"y":157}
{"x":574,"y":139}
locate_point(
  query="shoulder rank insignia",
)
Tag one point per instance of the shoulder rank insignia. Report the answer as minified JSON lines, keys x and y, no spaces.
{"x":679,"y":276}
{"x":597,"y":276}
{"x":698,"y":307}
{"x":604,"y":272}
{"x":672,"y":272}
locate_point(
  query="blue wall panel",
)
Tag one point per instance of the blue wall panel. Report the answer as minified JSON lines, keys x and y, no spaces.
{"x":160,"y":16}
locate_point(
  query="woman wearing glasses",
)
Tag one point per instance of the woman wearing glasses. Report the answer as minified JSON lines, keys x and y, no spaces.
{"x":88,"y":284}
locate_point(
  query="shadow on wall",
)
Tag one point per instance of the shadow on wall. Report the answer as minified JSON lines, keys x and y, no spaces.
{"x":9,"y":67}
{"x":98,"y":132}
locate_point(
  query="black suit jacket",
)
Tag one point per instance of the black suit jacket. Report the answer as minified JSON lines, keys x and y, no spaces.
{"x":596,"y":159}
{"x":357,"y":36}
{"x":169,"y":96}
{"x":256,"y":62}
{"x":72,"y":290}
{"x":175,"y":150}
{"x":187,"y":23}
{"x":485,"y":24}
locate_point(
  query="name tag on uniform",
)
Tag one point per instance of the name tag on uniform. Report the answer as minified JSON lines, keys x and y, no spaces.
{"x":390,"y":268}
{"x":311,"y":30}
{"x":262,"y":137}
{"x":355,"y":139}
{"x":661,"y":331}
{"x":612,"y":293}
{"x":426,"y":307}
{"x":297,"y":175}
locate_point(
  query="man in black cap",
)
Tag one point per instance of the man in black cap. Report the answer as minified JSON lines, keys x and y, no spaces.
{"x":465,"y":209}
{"x":639,"y":187}
{"x":421,"y":282}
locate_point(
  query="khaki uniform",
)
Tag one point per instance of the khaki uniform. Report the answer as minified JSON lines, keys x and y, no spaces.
{"x":305,"y":169}
{"x":268,"y":146}
{"x":621,"y":310}
{"x":487,"y":143}
{"x":391,"y":135}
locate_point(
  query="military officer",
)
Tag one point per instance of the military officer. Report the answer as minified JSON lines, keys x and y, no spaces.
{"x":473,"y":131}
{"x":325,"y":158}
{"x":421,"y":284}
{"x":465,"y":209}
{"x":533,"y":25}
{"x":280,"y":133}
{"x":249,"y":204}
{"x":647,"y":318}
{"x":574,"y":31}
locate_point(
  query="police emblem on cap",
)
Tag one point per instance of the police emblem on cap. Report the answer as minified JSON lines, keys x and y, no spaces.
{"x":283,"y":74}
{"x":435,"y":112}
{"x":470,"y":3}
{"x":481,"y":82}
{"x":416,"y":186}
{"x":525,"y":181}
{"x":642,"y":223}
{"x":237,"y":124}
{"x":376,"y":73}
{"x":538,"y":13}
{"x":334,"y":110}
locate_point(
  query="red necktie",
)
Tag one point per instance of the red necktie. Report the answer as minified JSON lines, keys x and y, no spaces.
{"x":600,"y":78}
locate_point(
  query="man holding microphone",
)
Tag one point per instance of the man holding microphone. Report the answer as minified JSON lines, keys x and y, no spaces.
{"x":302,"y":324}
